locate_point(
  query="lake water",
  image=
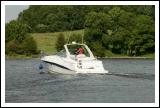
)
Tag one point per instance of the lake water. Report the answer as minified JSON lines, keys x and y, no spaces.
{"x":129,"y":81}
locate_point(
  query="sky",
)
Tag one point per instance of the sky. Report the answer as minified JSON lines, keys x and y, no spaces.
{"x":12,"y":11}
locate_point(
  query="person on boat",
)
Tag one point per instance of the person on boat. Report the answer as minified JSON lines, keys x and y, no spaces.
{"x":80,"y":52}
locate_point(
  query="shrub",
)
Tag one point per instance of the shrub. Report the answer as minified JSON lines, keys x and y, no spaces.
{"x":60,"y":42}
{"x":29,"y":46}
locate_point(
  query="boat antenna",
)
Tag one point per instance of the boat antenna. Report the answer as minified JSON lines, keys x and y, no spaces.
{"x":70,"y":32}
{"x":83,"y":33}
{"x":82,"y":38}
{"x":69,"y":35}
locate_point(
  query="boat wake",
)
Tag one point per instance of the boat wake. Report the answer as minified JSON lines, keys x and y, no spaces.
{"x":125,"y":75}
{"x":134,"y":75}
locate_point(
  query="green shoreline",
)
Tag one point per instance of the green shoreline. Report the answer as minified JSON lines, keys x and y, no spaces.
{"x":112,"y":57}
{"x":126,"y":57}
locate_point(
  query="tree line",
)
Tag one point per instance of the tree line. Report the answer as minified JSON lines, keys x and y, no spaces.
{"x":42,"y":18}
{"x":120,"y":32}
{"x":119,"y":29}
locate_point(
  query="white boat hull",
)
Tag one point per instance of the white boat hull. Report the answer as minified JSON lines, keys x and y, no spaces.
{"x":51,"y":68}
{"x":67,"y":62}
{"x":54,"y":68}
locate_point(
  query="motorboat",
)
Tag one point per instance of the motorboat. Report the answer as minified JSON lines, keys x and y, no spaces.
{"x":67,"y":61}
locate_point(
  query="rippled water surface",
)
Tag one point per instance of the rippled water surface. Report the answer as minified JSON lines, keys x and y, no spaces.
{"x":129,"y":81}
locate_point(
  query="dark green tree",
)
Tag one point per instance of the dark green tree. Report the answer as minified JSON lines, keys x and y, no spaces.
{"x":15,"y":30}
{"x":29,"y":46}
{"x":17,"y":40}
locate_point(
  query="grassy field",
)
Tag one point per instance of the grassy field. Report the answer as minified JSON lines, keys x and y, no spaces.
{"x":46,"y":41}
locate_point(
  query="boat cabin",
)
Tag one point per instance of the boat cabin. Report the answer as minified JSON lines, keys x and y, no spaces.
{"x":75,"y":50}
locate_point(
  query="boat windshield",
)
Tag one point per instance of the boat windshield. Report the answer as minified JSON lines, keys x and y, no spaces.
{"x":73,"y":49}
{"x":62,"y":53}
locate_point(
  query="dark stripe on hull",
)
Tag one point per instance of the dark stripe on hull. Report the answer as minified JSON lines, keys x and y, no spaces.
{"x":57,"y":65}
